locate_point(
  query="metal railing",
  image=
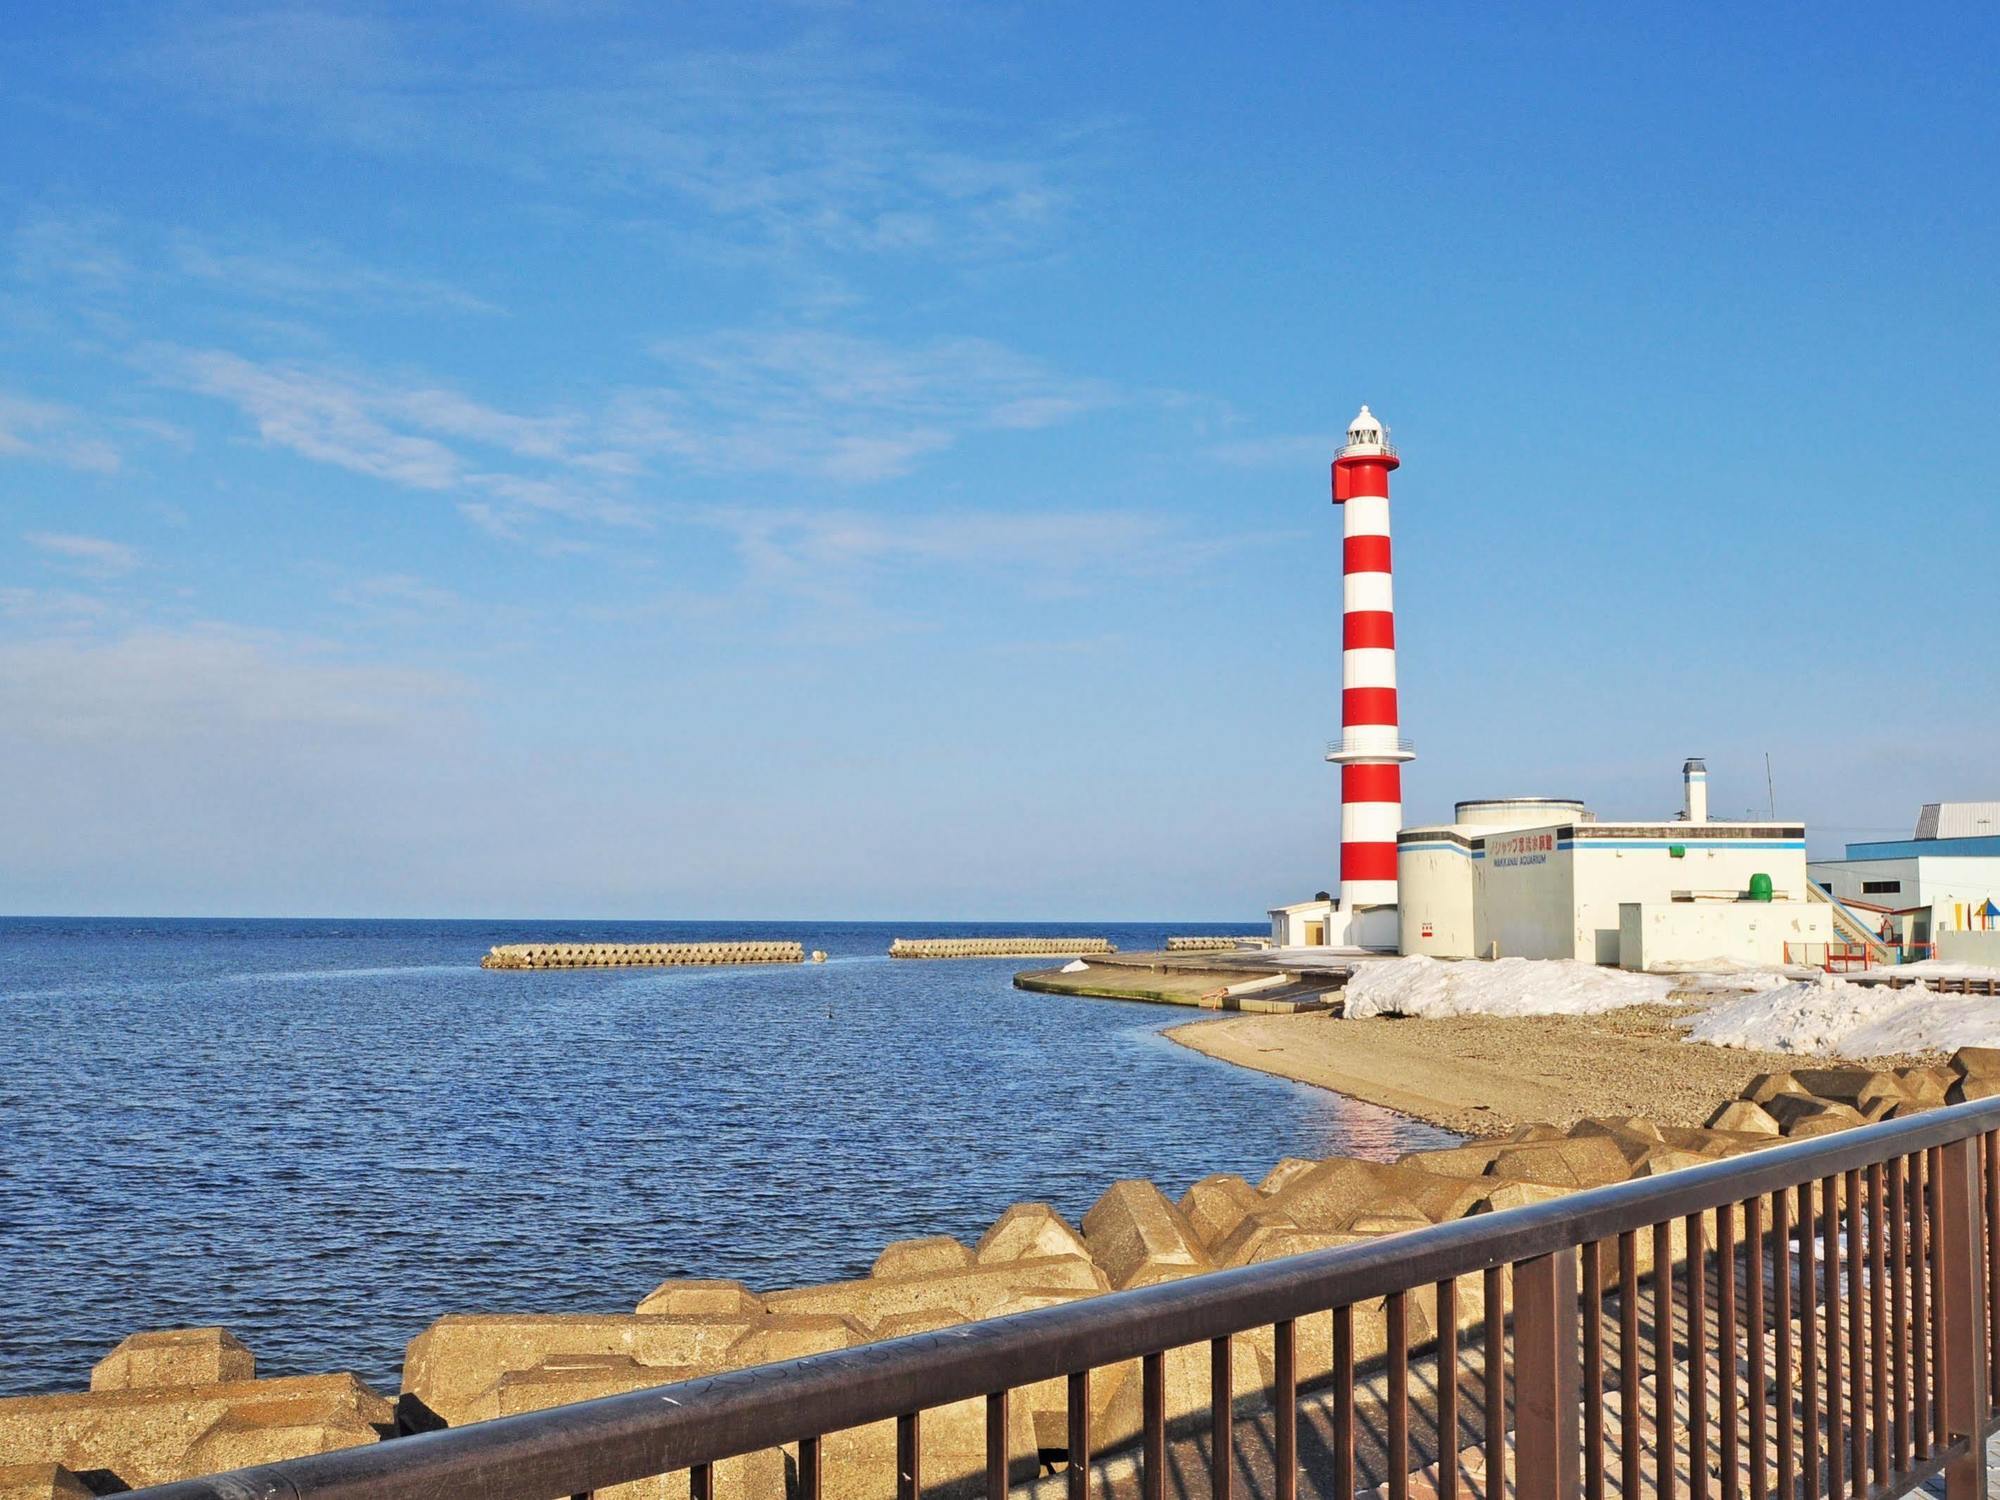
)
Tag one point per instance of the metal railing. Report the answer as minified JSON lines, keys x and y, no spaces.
{"x":1817,"y":1318}
{"x":1362,"y":744}
{"x":1848,"y":957}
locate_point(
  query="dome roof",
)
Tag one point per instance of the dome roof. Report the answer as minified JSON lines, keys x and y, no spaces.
{"x":1367,"y":430}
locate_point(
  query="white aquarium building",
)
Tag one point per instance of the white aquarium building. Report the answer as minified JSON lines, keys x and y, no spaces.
{"x":1543,"y":877}
{"x":1941,"y":881}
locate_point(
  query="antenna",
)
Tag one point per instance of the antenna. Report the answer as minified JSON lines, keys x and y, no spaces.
{"x":1770,"y":787}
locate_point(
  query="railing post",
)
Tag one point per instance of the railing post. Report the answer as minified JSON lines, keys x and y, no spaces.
{"x":1962,"y":1318}
{"x":1547,"y":1443}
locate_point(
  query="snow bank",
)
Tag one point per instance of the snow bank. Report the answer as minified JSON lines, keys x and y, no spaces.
{"x":1423,"y":986}
{"x":1826,"y":1016}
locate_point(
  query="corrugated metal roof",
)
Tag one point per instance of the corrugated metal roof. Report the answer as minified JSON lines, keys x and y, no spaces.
{"x":1958,"y":820}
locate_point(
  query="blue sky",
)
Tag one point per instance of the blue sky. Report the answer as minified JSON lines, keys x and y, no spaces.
{"x":598,"y":459}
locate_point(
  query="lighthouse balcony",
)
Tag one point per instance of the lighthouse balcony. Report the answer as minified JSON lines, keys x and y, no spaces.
{"x":1369,"y":744}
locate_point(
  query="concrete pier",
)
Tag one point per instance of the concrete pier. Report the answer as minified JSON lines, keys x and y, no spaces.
{"x":1212,"y":979}
{"x":637,"y":955}
{"x":1000,"y":947}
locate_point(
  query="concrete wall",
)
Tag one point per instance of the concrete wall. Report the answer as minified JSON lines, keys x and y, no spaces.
{"x":1525,"y":890}
{"x":1372,"y":927}
{"x":1970,"y":948}
{"x":1947,"y":882}
{"x":1652,"y":934}
{"x":1845,"y":877}
{"x":1434,"y":881}
{"x":1615,"y":865}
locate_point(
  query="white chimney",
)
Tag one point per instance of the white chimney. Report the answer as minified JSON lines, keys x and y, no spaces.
{"x":1694,"y":806}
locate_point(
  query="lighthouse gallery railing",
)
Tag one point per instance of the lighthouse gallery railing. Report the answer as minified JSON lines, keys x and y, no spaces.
{"x":1838,"y":1303}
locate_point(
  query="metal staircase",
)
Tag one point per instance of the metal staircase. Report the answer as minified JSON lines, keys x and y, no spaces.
{"x":1852,"y":929}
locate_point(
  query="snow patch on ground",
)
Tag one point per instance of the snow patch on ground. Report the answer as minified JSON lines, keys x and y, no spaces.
{"x":1828,"y":1017}
{"x":1075,"y":966}
{"x":1727,"y":976}
{"x":1419,"y":985}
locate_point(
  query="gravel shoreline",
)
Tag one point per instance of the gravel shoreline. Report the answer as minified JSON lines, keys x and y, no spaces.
{"x":1487,"y":1075}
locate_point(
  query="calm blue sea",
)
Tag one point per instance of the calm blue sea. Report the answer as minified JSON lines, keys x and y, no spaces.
{"x":324,"y":1134}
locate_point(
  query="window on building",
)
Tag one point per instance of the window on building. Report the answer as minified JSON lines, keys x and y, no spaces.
{"x":1881,"y":887}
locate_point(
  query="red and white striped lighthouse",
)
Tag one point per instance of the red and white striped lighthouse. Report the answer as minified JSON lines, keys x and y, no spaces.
{"x":1370,"y":751}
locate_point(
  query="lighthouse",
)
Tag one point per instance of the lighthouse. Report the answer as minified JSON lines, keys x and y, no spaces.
{"x":1370,"y":751}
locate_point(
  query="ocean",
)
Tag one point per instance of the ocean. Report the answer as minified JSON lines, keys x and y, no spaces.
{"x":325,"y":1134}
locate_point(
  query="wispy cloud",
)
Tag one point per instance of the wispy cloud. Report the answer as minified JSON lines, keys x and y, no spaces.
{"x":70,"y":245}
{"x":800,"y":147}
{"x":837,"y":406}
{"x":343,"y":67}
{"x":807,"y":146}
{"x":323,"y":417}
{"x":841,"y":558}
{"x":55,"y":609}
{"x":421,"y":437}
{"x":809,"y":402}
{"x":311,"y":274}
{"x":399,"y":594}
{"x":90,"y":556}
{"x":818,"y":540}
{"x":109,"y":256}
{"x":51,"y":433}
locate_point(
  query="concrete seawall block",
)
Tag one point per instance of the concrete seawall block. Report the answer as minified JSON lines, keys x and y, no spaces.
{"x":1330,"y":1195}
{"x":174,"y":1356}
{"x":451,"y":1364}
{"x":922,"y":1257}
{"x":41,"y":1482}
{"x":164,"y":1433}
{"x":561,"y":1380}
{"x":1469,"y":1160}
{"x":638,"y":955}
{"x":973,"y":1292}
{"x":1572,"y":1162}
{"x":1440,"y":1197}
{"x":702,"y":1298}
{"x":1137,"y":1235}
{"x":999,"y":947}
{"x":793,"y":1336}
{"x":1744,"y":1116}
{"x":1029,"y":1231}
{"x":1287,"y":1168}
{"x":1214,"y":1206}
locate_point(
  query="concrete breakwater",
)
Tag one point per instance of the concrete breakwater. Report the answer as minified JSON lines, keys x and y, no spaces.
{"x":1214,"y":979}
{"x":172,"y":1404}
{"x":637,"y":955}
{"x":1215,"y":944}
{"x":1000,"y":947}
